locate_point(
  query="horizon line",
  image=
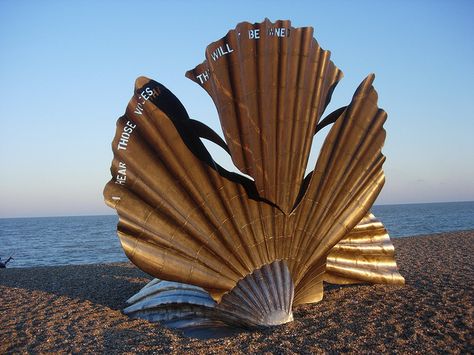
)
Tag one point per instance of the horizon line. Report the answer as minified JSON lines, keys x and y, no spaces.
{"x":114,"y":214}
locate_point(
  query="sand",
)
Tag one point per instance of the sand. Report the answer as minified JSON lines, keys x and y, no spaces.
{"x":77,"y":309}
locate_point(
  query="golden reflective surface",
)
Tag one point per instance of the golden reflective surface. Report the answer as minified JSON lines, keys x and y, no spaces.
{"x":184,"y":218}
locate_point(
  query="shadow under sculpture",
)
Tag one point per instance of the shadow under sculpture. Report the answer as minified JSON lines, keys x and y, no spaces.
{"x":238,"y":251}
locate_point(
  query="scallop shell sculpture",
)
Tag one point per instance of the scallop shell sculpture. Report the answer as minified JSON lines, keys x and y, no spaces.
{"x":239,"y":251}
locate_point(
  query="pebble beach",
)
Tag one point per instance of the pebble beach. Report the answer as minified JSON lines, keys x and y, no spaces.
{"x":77,"y":309}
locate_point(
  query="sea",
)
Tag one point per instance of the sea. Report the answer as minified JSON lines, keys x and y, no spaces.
{"x":49,"y":241}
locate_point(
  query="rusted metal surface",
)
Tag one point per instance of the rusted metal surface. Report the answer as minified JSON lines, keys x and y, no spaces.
{"x":184,"y":218}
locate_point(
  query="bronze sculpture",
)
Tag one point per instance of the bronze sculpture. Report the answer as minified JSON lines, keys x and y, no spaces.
{"x":241,"y":251}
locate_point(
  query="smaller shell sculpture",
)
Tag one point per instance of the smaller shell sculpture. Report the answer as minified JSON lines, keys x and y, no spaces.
{"x":236,"y":251}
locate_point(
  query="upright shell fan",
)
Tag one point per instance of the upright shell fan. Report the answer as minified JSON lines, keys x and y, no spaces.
{"x":239,"y":251}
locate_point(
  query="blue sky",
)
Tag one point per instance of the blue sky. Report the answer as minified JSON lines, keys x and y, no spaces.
{"x":67,"y":70}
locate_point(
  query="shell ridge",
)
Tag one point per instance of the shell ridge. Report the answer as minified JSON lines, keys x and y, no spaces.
{"x":279,"y":292}
{"x":286,"y":135}
{"x":362,"y":182}
{"x":257,"y":284}
{"x":244,"y":288}
{"x":233,"y":96}
{"x":238,"y":79}
{"x":282,"y":65}
{"x":254,"y":250}
{"x":253,"y":283}
{"x":368,"y":194}
{"x":176,"y":214}
{"x":267,"y":289}
{"x":274,"y":287}
{"x":329,"y":119}
{"x":228,"y":83}
{"x":226,"y":203}
{"x":261,"y":143}
{"x":331,"y":143}
{"x":198,"y":204}
{"x":302,"y":113}
{"x":304,"y":132}
{"x":259,"y":262}
{"x":162,"y":258}
{"x":173,"y":162}
{"x":128,"y":225}
{"x":270,"y":246}
{"x":335,"y":135}
{"x":278,"y":113}
{"x":293,"y":117}
{"x":370,"y":243}
{"x":267,"y":107}
{"x":356,"y":172}
{"x":310,"y":288}
{"x":288,"y":240}
{"x":343,"y":175}
{"x":243,"y":300}
{"x":221,"y":226}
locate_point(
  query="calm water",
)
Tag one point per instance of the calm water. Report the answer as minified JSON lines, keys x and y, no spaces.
{"x":426,"y":218}
{"x":60,"y":240}
{"x":90,"y":240}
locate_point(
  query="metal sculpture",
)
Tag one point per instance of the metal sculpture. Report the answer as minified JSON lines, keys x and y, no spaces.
{"x":235,"y":250}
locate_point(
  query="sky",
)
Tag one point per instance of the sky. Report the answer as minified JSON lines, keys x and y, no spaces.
{"x":67,"y":70}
